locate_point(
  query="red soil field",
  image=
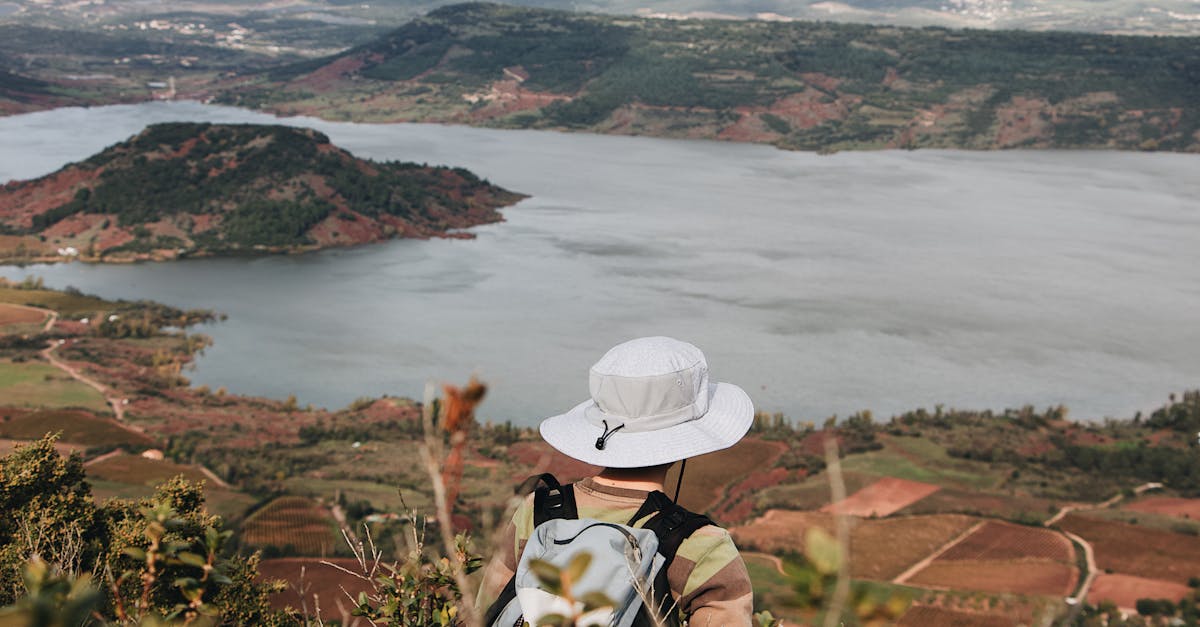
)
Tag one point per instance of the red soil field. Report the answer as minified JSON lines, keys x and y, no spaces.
{"x":1125,"y":590}
{"x":961,"y":501}
{"x":1184,"y":508}
{"x":138,"y":470}
{"x":1020,"y":577}
{"x":879,"y":549}
{"x":930,"y":616}
{"x":14,"y":314}
{"x":1137,"y":550}
{"x":707,"y":478}
{"x":882,"y":498}
{"x":77,"y":427}
{"x":64,"y":449}
{"x":321,"y":581}
{"x":537,"y":457}
{"x":1005,"y":541}
{"x":292,"y":521}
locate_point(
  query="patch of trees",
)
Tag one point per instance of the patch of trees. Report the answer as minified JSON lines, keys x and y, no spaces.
{"x":1182,"y":415}
{"x":353,"y":431}
{"x":1177,"y":468}
{"x":156,"y":557}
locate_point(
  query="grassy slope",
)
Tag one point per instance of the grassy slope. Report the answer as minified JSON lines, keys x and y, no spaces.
{"x":34,"y":384}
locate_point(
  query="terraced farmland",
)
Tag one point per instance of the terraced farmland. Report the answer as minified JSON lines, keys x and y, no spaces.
{"x":1004,"y":558}
{"x":932,"y":616}
{"x":320,"y":582}
{"x":1013,"y":576}
{"x":77,"y":427}
{"x":293,"y":524}
{"x":880,"y":549}
{"x":1136,"y":550}
{"x":138,"y":470}
{"x":1003,"y":541}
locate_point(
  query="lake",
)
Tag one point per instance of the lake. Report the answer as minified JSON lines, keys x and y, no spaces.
{"x":821,"y":284}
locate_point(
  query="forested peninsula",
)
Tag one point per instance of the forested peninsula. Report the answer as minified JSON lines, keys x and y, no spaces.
{"x":800,"y":85}
{"x":186,"y":189}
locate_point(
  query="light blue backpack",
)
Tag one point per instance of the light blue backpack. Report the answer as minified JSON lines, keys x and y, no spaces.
{"x":626,"y":568}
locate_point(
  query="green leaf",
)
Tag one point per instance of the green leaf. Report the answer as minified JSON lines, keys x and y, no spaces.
{"x":191,"y":559}
{"x":597,"y":600}
{"x":548,"y":575}
{"x":135,"y":553}
{"x":822,"y":550}
{"x":578,"y":565}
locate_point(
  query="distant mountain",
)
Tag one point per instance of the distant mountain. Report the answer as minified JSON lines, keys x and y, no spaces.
{"x":804,"y":85}
{"x":194,"y":189}
{"x":325,"y":23}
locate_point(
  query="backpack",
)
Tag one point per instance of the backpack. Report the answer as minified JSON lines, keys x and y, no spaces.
{"x":621,"y":556}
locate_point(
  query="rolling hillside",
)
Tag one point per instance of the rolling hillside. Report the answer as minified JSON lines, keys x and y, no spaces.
{"x":800,"y":85}
{"x":195,"y":189}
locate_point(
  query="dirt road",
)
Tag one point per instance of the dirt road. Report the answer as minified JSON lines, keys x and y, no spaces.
{"x":117,"y":403}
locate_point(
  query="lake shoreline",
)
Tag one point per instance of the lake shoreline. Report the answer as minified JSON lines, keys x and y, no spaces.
{"x":881,"y":280}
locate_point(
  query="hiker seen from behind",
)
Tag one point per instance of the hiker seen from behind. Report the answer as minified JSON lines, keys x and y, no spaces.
{"x":648,"y":561}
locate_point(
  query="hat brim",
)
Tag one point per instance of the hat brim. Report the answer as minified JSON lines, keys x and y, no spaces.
{"x":729,"y":416}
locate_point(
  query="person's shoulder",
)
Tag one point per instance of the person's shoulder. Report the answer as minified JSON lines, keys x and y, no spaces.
{"x":523,"y":517}
{"x":711,"y":544}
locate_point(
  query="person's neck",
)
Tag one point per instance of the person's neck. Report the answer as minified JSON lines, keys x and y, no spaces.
{"x":644,"y":479}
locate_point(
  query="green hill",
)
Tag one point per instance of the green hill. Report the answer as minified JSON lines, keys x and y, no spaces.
{"x":186,"y":188}
{"x":804,"y":85}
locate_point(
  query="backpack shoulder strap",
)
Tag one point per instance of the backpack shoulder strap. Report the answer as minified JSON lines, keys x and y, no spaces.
{"x":550,"y":501}
{"x":553,"y":501}
{"x":672,"y":523}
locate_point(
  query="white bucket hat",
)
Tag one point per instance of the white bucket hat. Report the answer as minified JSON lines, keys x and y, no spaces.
{"x":652,"y":403}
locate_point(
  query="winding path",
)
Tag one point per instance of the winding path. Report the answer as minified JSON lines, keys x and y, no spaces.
{"x":1076,"y":602}
{"x":117,"y":404}
{"x":774,"y":559}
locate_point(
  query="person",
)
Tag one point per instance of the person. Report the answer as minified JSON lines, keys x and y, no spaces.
{"x":652,"y":405}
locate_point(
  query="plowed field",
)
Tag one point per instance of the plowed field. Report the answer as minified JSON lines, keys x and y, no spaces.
{"x":1003,"y":541}
{"x":1046,"y":578}
{"x":1184,"y":508}
{"x":1136,"y":550}
{"x":882,"y":498}
{"x":137,"y":470}
{"x":16,"y":314}
{"x":879,"y":549}
{"x":77,"y":427}
{"x":1125,"y":590}
{"x":322,"y":584}
{"x":707,"y":477}
{"x":293,"y":523}
{"x":929,"y":616}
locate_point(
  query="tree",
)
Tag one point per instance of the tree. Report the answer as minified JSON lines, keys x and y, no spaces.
{"x":163,"y":558}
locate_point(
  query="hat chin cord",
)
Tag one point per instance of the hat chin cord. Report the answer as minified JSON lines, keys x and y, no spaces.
{"x":679,"y":480}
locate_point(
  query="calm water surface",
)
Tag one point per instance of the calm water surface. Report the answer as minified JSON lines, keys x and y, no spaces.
{"x":821,"y":284}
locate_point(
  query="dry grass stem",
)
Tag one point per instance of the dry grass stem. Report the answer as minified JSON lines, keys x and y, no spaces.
{"x":837,"y":488}
{"x":431,"y":450}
